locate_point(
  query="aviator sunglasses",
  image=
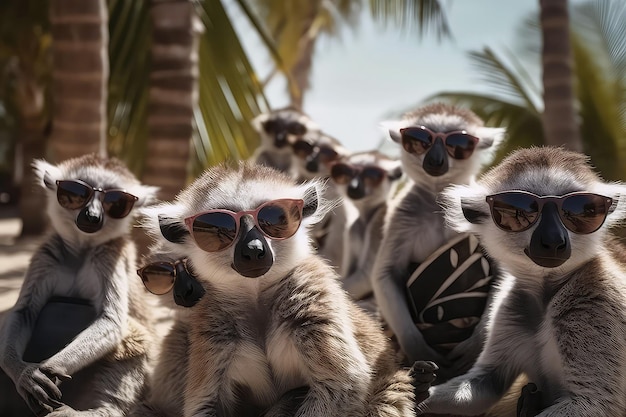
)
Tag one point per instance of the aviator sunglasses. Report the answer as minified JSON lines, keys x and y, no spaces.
{"x":159,"y":277}
{"x":580,"y":212}
{"x":343,"y":173}
{"x":303,"y":149}
{"x":76,"y":194}
{"x":418,"y":139}
{"x":216,"y":230}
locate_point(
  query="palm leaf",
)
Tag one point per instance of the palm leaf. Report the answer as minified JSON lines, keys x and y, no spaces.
{"x":420,"y":15}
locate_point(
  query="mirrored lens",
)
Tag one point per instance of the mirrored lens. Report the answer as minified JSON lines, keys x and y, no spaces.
{"x":460,"y":145}
{"x":279,"y":220}
{"x":342,"y":173}
{"x":584,"y":213}
{"x":514,"y":212}
{"x":158,"y":278}
{"x":416,"y":140}
{"x":296,"y":128}
{"x":117,"y":204}
{"x":302,"y":149}
{"x":327,"y":154}
{"x":214,"y":231}
{"x":73,"y":195}
{"x":372,"y":176}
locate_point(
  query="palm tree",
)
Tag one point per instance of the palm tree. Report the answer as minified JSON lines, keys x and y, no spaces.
{"x":79,"y":77}
{"x":559,"y":116}
{"x":598,"y":41}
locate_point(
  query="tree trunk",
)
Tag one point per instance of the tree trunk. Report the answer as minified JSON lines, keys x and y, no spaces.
{"x":559,"y":117}
{"x":79,"y":78}
{"x":173,"y":93}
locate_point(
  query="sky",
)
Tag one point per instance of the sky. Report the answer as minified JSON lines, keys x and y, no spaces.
{"x":371,"y":72}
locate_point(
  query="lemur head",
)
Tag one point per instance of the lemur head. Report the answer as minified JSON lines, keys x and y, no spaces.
{"x":314,"y":153}
{"x":280,"y":128}
{"x":237,"y":223}
{"x":532,"y":235}
{"x":443,"y":144}
{"x":366,"y":178}
{"x":91,"y":199}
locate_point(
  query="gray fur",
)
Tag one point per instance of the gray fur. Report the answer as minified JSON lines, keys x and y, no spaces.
{"x":99,"y":267}
{"x":564,"y":327}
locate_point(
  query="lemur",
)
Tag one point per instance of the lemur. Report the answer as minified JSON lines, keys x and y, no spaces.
{"x":314,"y":154}
{"x":80,"y":319}
{"x":365,"y":180}
{"x":559,"y":314}
{"x":441,"y":145}
{"x":274,"y":319}
{"x":278,"y":130}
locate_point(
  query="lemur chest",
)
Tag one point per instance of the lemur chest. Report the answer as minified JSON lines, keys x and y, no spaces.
{"x":80,"y":280}
{"x":429,"y":236}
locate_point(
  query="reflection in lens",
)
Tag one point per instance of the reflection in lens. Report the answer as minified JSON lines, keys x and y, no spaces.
{"x":372,"y":176}
{"x":514,"y":212}
{"x":302,"y":149}
{"x":278,"y":221}
{"x":460,"y":145}
{"x":158,"y":278}
{"x":342,"y":173}
{"x":583,"y":213}
{"x":296,"y":128}
{"x":327,"y":154}
{"x":117,"y":204}
{"x":73,"y":195}
{"x":416,"y":140}
{"x":214,"y":231}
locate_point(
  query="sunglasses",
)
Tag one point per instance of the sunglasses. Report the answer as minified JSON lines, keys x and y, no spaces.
{"x":76,"y":194}
{"x":303,"y":149}
{"x":417,"y":140}
{"x":277,"y":125}
{"x":216,"y":230}
{"x":580,"y":212}
{"x":159,"y":277}
{"x":343,"y":173}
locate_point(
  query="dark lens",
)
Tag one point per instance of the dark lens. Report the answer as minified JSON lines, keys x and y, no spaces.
{"x":280,"y":219}
{"x":327,"y":154}
{"x":584,"y":213}
{"x":372,"y":176}
{"x":416,"y":140}
{"x":295,"y":128}
{"x":214,"y":231}
{"x":158,"y":278}
{"x":302,"y":148}
{"x":73,"y":195}
{"x":117,"y":204}
{"x":342,"y":173}
{"x":460,"y":145}
{"x":271,"y":126}
{"x":514,"y":212}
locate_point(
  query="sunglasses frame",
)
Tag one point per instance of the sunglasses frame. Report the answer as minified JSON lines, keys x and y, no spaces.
{"x":92,"y":192}
{"x":285,"y":127}
{"x":433,"y":136}
{"x":312,"y":151}
{"x":357,"y":171}
{"x":299,"y":203}
{"x":558,"y":200}
{"x":174,"y":273}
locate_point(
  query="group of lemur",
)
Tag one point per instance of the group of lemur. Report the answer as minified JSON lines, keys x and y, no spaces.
{"x":311,"y":281}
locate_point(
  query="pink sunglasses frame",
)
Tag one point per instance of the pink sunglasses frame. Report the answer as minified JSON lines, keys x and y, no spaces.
{"x":443,"y":136}
{"x":299,"y":203}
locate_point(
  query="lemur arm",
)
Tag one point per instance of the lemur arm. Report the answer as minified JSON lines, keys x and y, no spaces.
{"x":112,"y":269}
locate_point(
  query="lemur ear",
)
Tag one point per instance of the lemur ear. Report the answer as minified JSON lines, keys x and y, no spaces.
{"x":311,"y":201}
{"x":258,"y":121}
{"x":394,"y":170}
{"x":392,"y":128}
{"x":490,"y":137}
{"x":146,"y":194}
{"x":172,"y":230}
{"x":46,"y":174}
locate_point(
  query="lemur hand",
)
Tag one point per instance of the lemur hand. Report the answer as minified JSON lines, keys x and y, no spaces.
{"x":38,"y":390}
{"x":423,"y":374}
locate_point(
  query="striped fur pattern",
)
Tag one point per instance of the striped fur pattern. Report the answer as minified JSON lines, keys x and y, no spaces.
{"x":100,"y":267}
{"x":414,"y":228}
{"x":252,"y":344}
{"x":564,"y":327}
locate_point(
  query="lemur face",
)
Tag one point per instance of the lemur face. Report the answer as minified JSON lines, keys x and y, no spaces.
{"x":366,"y":178}
{"x":240,"y":223}
{"x":443,"y":144}
{"x":513,"y":210}
{"x":279,"y":129}
{"x":314,"y":153}
{"x":92,"y":199}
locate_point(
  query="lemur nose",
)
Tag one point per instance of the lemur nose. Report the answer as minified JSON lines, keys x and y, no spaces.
{"x":253,"y":250}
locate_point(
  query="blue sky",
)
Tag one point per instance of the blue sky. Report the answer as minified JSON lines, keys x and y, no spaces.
{"x":370,"y":72}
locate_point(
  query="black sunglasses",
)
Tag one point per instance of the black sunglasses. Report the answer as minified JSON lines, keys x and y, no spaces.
{"x":303,"y":149}
{"x":159,"y":277}
{"x":343,"y":173}
{"x":276,"y":125}
{"x":418,"y":139}
{"x":580,"y":212}
{"x":76,"y":194}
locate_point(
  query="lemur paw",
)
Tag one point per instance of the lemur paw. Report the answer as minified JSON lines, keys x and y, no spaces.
{"x":423,"y":374}
{"x":38,"y":390}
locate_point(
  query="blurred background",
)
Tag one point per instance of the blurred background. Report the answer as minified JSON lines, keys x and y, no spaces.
{"x":170,"y":86}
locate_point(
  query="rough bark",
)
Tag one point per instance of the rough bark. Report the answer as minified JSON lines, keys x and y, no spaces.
{"x":79,"y":78}
{"x":560,"y":120}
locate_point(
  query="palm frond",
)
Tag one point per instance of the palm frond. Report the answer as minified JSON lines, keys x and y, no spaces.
{"x":420,"y":15}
